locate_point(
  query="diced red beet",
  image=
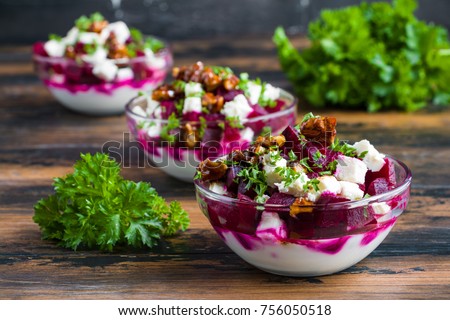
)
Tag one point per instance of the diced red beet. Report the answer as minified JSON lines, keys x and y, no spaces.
{"x":257,"y":111}
{"x":281,"y":199}
{"x":168,"y":107}
{"x":359,"y":217}
{"x":191,"y":116}
{"x":228,"y":95}
{"x":243,"y":191}
{"x":291,"y":135}
{"x":280,"y":105}
{"x":378,"y":186}
{"x":38,"y":49}
{"x":387,"y":172}
{"x":231,"y":180}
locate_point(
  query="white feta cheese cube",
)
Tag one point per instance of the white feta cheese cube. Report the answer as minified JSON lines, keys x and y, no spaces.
{"x":350,"y":169}
{"x":254,"y":91}
{"x":120,"y":30}
{"x":193,"y":89}
{"x":89,"y":38}
{"x":105,"y":70}
{"x":351,"y":190}
{"x":247,"y":134}
{"x":192,"y":104}
{"x":98,"y":57}
{"x":271,"y":227}
{"x":125,"y":74}
{"x":296,"y":188}
{"x":380,"y":208}
{"x":104,"y":35}
{"x":373,"y":159}
{"x":272,"y":176}
{"x":55,"y":48}
{"x":152,"y":106}
{"x":71,"y":37}
{"x":218,"y":187}
{"x":270,"y":92}
{"x":329,"y":183}
{"x":154,"y":129}
{"x":153,"y":60}
{"x":237,"y":108}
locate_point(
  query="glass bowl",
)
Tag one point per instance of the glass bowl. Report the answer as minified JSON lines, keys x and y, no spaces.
{"x":318,"y":240}
{"x":180,"y":161}
{"x":74,"y":85}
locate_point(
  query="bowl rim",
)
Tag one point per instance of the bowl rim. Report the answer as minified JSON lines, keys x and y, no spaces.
{"x":291,"y":106}
{"x":351,"y":204}
{"x":163,"y":53}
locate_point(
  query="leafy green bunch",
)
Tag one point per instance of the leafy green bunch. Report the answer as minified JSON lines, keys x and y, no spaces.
{"x":95,"y":207}
{"x":377,"y":56}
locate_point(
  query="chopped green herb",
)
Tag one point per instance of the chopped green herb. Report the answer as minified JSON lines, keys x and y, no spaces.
{"x":292,"y":156}
{"x":173,"y":123}
{"x":234,"y":122}
{"x":95,"y":207}
{"x":53,"y":36}
{"x":153,"y":44}
{"x":203,"y":126}
{"x":363,"y":154}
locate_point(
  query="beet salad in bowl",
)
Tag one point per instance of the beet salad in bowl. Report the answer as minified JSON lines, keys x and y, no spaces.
{"x":303,"y":203}
{"x":205,"y":112}
{"x":98,"y":66}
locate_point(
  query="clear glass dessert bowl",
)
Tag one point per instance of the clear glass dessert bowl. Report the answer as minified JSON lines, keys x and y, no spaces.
{"x":305,"y":241}
{"x":178,"y":150}
{"x":75,"y":85}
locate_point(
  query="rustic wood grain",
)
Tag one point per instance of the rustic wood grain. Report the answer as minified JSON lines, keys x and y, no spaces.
{"x":39,"y":140}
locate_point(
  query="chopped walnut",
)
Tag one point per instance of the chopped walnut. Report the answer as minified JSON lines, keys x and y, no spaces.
{"x":231,"y":82}
{"x":212,"y":170}
{"x":116,"y":50}
{"x":163,"y":92}
{"x":320,"y":129}
{"x":70,"y":52}
{"x":210,"y":79}
{"x":98,"y":26}
{"x":213,"y":103}
{"x":301,"y":205}
{"x":243,"y":156}
{"x":269,"y":141}
{"x":189,"y":136}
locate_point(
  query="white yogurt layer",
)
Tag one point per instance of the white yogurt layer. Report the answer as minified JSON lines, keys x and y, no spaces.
{"x":96,"y":103}
{"x":301,"y":259}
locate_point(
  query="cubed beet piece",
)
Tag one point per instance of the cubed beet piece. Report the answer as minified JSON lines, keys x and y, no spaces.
{"x":231,"y":180}
{"x":281,"y":199}
{"x":387,"y":172}
{"x":359,"y":217}
{"x":38,"y":49}
{"x":378,"y":186}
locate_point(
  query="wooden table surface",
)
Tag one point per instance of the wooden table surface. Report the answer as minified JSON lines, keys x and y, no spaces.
{"x":39,"y":140}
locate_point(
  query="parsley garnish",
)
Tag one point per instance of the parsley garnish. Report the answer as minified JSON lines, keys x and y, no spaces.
{"x":153,"y":44}
{"x":53,"y":36}
{"x":255,"y":178}
{"x":234,"y":122}
{"x":173,"y":123}
{"x":344,"y":148}
{"x":95,"y":207}
{"x":292,"y":156}
{"x":202,"y":128}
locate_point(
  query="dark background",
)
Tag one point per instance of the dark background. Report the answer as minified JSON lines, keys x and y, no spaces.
{"x":26,"y":21}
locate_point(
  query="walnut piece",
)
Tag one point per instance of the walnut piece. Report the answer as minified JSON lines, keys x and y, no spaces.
{"x":301,"y":205}
{"x":319,"y":129}
{"x":212,"y":170}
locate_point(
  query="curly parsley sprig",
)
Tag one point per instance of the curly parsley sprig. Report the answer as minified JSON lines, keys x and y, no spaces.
{"x":94,"y":207}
